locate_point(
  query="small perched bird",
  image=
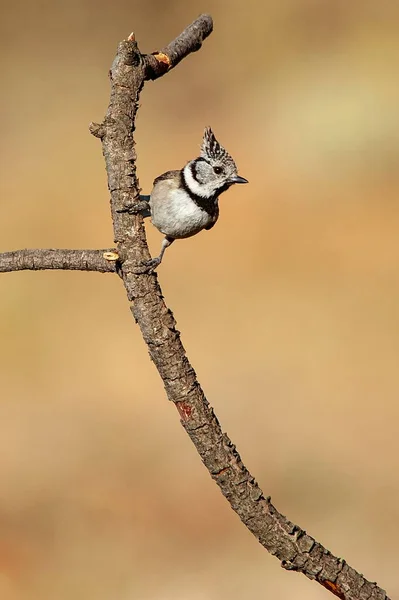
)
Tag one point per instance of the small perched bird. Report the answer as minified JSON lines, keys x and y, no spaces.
{"x":184,"y":202}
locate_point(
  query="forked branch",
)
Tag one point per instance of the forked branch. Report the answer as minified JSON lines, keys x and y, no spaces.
{"x":296,"y":550}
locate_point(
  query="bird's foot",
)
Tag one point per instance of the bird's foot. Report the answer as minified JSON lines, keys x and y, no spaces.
{"x":152,"y":264}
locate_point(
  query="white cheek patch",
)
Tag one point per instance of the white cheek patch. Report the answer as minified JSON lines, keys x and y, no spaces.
{"x":199,"y":189}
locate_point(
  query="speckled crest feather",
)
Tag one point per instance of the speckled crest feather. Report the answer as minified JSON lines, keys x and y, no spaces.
{"x":211,"y":149}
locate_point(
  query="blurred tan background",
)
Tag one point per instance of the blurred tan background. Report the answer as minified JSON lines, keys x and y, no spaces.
{"x":288,"y":308}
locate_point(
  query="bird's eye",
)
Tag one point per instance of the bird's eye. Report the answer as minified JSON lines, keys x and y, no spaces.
{"x":218,"y":170}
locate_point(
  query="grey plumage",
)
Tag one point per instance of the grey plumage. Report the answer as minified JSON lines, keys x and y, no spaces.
{"x":183,"y":203}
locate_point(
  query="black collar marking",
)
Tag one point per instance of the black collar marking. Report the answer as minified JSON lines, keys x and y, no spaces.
{"x":209,"y":205}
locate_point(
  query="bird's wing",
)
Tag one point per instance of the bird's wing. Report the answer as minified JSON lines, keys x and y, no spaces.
{"x":171,"y":175}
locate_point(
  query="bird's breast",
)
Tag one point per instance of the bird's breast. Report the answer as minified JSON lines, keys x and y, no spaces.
{"x":177,"y":215}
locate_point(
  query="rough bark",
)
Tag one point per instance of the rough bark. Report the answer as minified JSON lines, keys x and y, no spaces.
{"x":296,"y":550}
{"x":72,"y":260}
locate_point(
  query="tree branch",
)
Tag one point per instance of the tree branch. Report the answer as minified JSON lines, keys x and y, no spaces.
{"x":190,"y":40}
{"x":72,"y":260}
{"x":296,"y":550}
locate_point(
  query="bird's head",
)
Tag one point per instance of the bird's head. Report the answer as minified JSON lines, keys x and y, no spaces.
{"x":214,"y":171}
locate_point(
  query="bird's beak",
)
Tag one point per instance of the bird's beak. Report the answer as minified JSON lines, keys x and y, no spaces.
{"x":238,"y":179}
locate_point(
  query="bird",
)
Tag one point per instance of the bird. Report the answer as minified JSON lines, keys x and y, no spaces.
{"x":184,"y":202}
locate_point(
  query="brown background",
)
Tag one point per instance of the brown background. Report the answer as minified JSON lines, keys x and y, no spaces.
{"x":288,"y":308}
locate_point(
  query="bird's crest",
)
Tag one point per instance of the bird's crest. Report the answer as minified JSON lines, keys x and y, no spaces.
{"x":211,"y":149}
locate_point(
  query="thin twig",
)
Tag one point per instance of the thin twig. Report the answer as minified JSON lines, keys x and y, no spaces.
{"x":296,"y":550}
{"x":102,"y":261}
{"x":190,"y":40}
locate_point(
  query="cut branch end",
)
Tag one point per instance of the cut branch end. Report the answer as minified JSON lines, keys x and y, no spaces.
{"x":111,"y":256}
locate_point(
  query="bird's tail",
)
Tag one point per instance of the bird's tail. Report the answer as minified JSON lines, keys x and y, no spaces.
{"x":145,"y":210}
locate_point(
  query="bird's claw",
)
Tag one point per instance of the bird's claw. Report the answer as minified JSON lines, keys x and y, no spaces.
{"x":152,"y":264}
